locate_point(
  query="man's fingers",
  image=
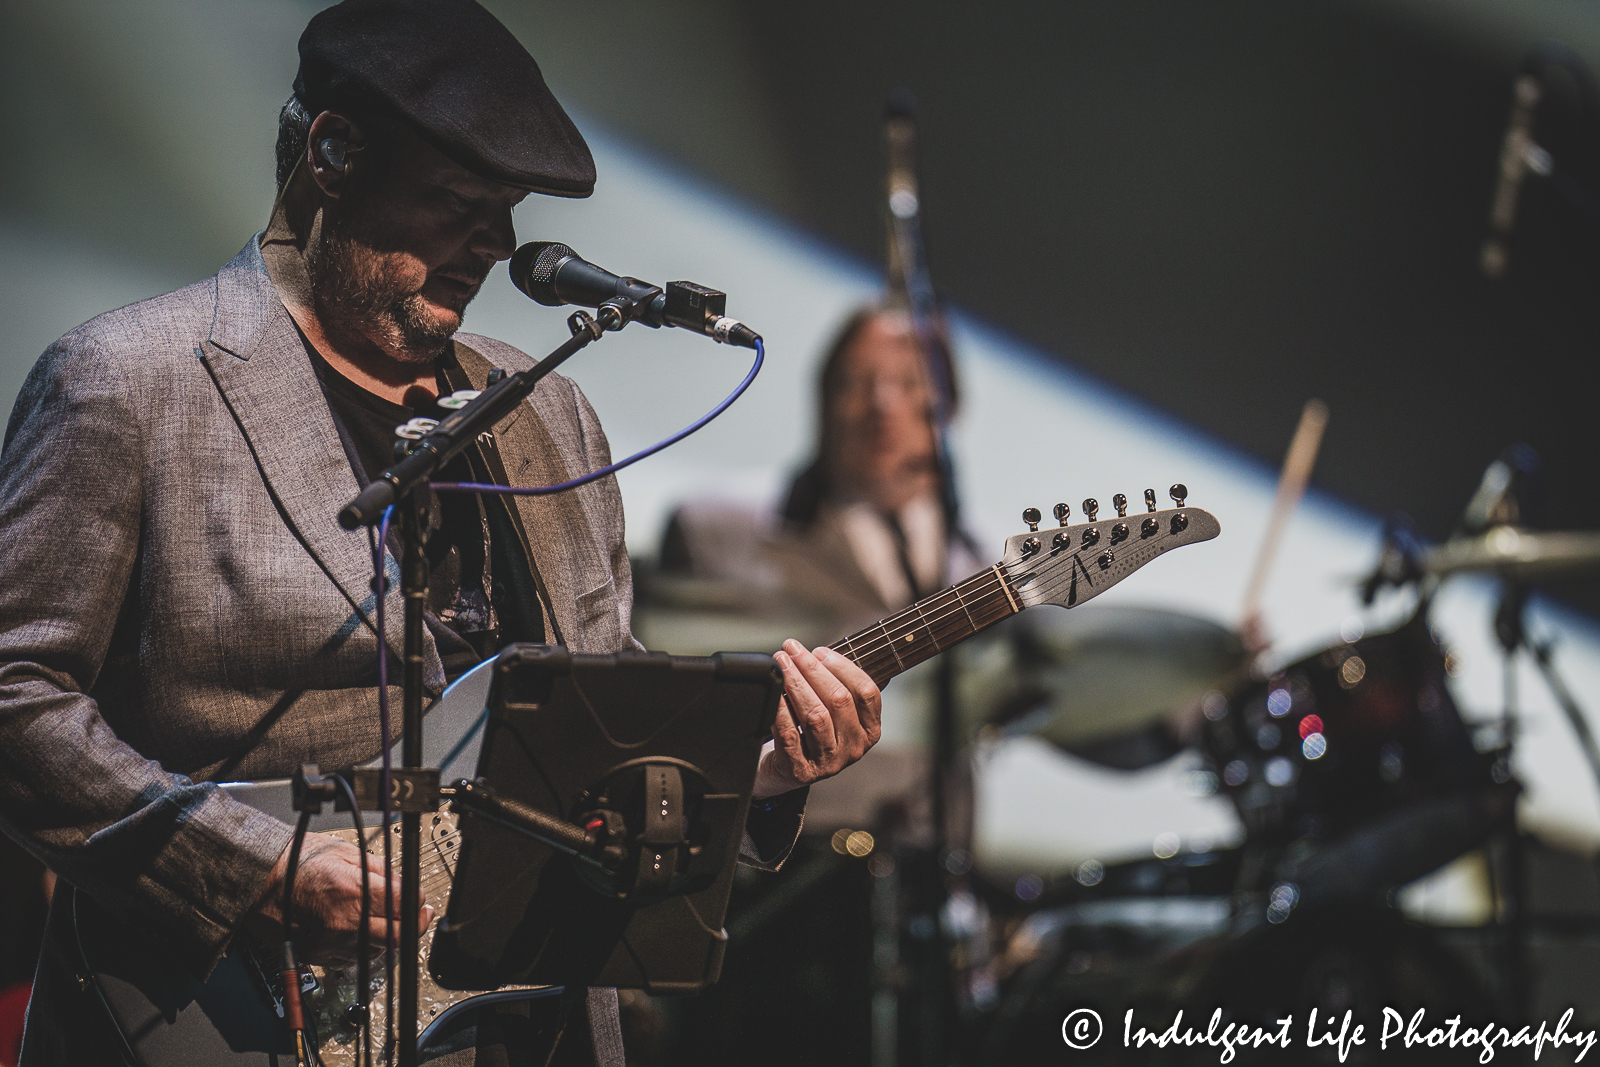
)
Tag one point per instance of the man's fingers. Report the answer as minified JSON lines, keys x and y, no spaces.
{"x":828,"y":688}
{"x":868,"y":700}
{"x":841,"y":704}
{"x":378,"y":927}
{"x":804,"y":698}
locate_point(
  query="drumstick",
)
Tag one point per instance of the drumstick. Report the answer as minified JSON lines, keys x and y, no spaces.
{"x":1297,"y":464}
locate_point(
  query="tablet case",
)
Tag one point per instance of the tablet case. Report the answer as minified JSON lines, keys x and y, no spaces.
{"x":633,"y":732}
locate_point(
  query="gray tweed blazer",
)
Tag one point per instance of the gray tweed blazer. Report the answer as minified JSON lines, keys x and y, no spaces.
{"x":178,"y":603}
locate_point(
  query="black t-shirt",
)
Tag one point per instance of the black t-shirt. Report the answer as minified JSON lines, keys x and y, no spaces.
{"x":481,"y":595}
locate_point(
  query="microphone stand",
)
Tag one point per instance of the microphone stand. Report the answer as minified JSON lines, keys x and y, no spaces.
{"x":405,"y":487}
{"x":942,"y":1010}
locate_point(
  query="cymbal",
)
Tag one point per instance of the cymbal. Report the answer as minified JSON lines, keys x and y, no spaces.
{"x":1517,"y":553}
{"x":1084,"y":675}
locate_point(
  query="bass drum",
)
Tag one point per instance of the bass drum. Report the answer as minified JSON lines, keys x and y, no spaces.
{"x":1352,"y":734}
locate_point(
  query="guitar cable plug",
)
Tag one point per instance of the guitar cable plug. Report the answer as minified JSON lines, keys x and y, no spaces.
{"x":293,"y":1015}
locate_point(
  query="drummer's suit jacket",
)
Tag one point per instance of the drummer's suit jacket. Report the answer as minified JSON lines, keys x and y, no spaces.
{"x":179,"y":606}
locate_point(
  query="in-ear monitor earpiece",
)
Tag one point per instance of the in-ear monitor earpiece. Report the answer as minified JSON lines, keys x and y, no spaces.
{"x":337,"y":152}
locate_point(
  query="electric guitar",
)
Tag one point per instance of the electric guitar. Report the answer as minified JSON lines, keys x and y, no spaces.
{"x":234,"y":1019}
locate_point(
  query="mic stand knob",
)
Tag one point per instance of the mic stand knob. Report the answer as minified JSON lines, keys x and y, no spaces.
{"x":615,"y":313}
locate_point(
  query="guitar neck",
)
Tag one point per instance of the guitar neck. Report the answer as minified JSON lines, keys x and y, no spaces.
{"x":931,"y":625}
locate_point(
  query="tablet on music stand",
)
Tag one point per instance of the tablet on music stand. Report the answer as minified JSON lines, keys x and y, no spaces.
{"x":653,"y":752}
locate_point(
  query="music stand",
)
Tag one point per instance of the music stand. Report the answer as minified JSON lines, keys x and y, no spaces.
{"x":643,"y":763}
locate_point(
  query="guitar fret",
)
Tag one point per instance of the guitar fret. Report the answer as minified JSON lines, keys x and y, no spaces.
{"x":941,"y":620}
{"x":944,"y":619}
{"x":882,"y":626}
{"x":933,"y":638}
{"x":950,"y":626}
{"x":1006,"y":587}
{"x":986,"y":602}
{"x":956,"y":589}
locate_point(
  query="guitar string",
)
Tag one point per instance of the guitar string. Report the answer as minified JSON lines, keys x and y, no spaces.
{"x":875,"y":646}
{"x":1049,"y":581}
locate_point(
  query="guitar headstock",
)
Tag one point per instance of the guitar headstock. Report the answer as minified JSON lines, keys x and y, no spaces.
{"x":1069,"y":564}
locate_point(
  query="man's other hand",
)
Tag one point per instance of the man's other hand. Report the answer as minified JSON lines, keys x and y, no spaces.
{"x":327,"y":901}
{"x":829,"y":716}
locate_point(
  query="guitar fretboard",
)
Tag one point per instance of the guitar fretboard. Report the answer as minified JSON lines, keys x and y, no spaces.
{"x":931,"y":625}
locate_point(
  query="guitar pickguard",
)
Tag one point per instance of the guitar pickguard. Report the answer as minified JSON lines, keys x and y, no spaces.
{"x":334,"y":991}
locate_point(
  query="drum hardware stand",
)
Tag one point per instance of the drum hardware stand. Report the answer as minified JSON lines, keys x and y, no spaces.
{"x":1511,"y":632}
{"x":1512,"y":636}
{"x":1542,"y":651}
{"x":404,"y":487}
{"x":888,"y":979}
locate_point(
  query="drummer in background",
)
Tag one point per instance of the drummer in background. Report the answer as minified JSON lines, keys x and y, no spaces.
{"x":864,"y":530}
{"x":862,"y":533}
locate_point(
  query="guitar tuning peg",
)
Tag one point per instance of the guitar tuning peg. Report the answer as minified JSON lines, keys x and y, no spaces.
{"x":1031,"y":516}
{"x":1120,"y":502}
{"x":1091,"y":508}
{"x":1061,"y":512}
{"x":1149,"y":499}
{"x":1180,"y":493}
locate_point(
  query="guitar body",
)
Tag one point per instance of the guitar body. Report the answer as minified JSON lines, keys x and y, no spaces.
{"x":234,"y":1018}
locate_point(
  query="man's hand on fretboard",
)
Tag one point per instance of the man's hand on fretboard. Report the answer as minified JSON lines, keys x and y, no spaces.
{"x":838,"y":710}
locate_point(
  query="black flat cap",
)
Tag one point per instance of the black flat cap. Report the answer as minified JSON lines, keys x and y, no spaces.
{"x":451,"y":70}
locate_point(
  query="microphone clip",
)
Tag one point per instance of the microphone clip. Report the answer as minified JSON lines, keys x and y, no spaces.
{"x":582,"y":322}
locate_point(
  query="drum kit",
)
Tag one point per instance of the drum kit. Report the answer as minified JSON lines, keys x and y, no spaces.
{"x":1352,"y":773}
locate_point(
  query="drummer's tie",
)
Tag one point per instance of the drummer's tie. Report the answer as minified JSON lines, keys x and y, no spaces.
{"x":903,"y":552}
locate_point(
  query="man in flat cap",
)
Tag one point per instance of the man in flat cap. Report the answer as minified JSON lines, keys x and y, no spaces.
{"x":177,"y":603}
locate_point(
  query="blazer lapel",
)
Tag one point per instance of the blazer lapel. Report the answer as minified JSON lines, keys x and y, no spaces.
{"x":260,"y":364}
{"x":564,"y":551}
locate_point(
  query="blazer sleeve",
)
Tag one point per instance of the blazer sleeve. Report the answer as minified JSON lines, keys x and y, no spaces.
{"x":184,"y":858}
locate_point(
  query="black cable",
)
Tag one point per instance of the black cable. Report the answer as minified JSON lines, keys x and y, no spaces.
{"x":300,"y":829}
{"x":363,"y":935}
{"x":290,"y":974}
{"x":89,"y":972}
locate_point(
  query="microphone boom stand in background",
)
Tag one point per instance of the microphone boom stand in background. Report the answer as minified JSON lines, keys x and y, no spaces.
{"x":405,"y":487}
{"x":938,"y":990}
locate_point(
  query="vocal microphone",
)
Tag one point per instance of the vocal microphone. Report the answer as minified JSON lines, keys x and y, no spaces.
{"x":1518,"y":155}
{"x":553,"y":274}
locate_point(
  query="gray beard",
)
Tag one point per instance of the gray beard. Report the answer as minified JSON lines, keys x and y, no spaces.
{"x":355,"y":295}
